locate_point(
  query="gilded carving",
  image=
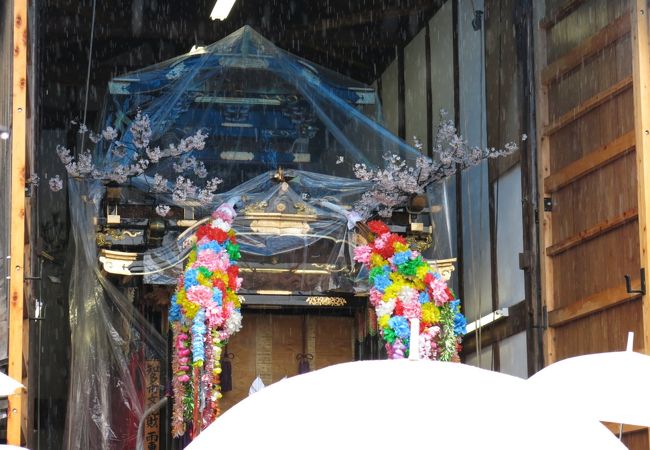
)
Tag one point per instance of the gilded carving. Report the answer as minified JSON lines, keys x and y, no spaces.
{"x":326,"y":301}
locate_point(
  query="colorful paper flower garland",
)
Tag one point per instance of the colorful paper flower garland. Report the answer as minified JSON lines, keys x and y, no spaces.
{"x":203,"y":314}
{"x":404,"y":287}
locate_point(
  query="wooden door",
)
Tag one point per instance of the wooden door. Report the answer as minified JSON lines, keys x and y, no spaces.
{"x":589,"y":208}
{"x":268,"y":344}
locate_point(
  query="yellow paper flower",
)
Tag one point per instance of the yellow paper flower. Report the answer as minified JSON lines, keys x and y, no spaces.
{"x":430,"y":313}
{"x":392,"y":291}
{"x":383,"y":321}
{"x":397,"y":278}
{"x":377,"y":261}
{"x":419,"y":285}
{"x":221,"y":276}
{"x":422,"y":271}
{"x":233,"y":298}
{"x":202,"y":279}
{"x":399,"y":247}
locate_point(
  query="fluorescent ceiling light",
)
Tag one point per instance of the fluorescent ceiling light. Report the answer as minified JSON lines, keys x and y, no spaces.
{"x":221,"y":9}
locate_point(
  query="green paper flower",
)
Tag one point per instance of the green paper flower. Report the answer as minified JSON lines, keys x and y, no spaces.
{"x":409,"y":268}
{"x":233,"y":251}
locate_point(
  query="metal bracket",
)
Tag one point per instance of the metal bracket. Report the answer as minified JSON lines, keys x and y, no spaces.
{"x":628,"y":283}
{"x":548,"y":204}
{"x":544,"y":317}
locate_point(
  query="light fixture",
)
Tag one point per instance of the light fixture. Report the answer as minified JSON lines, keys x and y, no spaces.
{"x":4,"y":133}
{"x":221,"y":9}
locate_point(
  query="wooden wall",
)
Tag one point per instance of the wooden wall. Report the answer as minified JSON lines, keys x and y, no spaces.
{"x":588,"y":178}
{"x":268,"y":345}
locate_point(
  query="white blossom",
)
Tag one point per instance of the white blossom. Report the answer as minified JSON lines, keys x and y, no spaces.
{"x":233,"y":323}
{"x":34,"y":180}
{"x":56,"y":184}
{"x":95,"y":138}
{"x":213,"y":184}
{"x":64,"y":154}
{"x":183,"y":188}
{"x":339,"y":160}
{"x":205,"y":197}
{"x":109,"y":133}
{"x":186,"y":163}
{"x":85,"y":163}
{"x":141,"y":130}
{"x":159,"y":183}
{"x":162,"y":210}
{"x":154,"y":154}
{"x":195,"y":142}
{"x":118,"y":149}
{"x":393,"y":185}
{"x":83,"y":128}
{"x":119,"y":174}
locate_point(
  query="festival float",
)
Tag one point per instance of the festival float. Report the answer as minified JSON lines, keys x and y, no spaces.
{"x":243,"y":213}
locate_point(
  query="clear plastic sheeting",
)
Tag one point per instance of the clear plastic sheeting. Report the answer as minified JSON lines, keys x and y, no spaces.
{"x":298,"y":227}
{"x":261,"y":108}
{"x":283,"y":134}
{"x":111,"y":344}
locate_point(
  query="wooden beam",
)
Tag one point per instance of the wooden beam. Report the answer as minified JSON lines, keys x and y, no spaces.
{"x":544,"y":170}
{"x":401,"y":94}
{"x":588,"y":105}
{"x":515,"y":323}
{"x":616,"y":427}
{"x":427,"y":72}
{"x":591,"y":304}
{"x":589,"y":163}
{"x":17,"y":231}
{"x":560,"y":13}
{"x":589,"y":47}
{"x":372,"y":16}
{"x":593,"y":232}
{"x":641,"y":74}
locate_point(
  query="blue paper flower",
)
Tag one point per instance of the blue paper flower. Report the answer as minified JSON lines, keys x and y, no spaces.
{"x":190,"y":278}
{"x":401,"y":326}
{"x":382,"y":282}
{"x":455,"y":305}
{"x":460,"y":324}
{"x":174,"y":310}
{"x":402,"y":257}
{"x":217,"y":296}
{"x":212,"y":245}
{"x":424,"y":297}
{"x":198,"y":333}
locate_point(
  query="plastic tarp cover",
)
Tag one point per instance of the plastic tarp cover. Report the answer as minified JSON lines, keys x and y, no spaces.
{"x":111,"y":343}
{"x":262,"y":110}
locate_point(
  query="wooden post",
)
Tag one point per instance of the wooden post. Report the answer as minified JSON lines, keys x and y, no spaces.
{"x":641,"y":77}
{"x":17,"y":246}
{"x":545,"y":219}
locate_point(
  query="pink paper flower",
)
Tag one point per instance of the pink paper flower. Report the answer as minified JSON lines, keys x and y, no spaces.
{"x":362,"y":254}
{"x":208,"y":259}
{"x":201,"y":295}
{"x":439,"y":291}
{"x":376,"y":297}
{"x":224,"y":212}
